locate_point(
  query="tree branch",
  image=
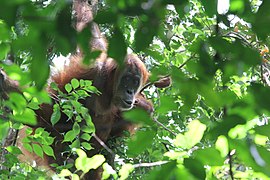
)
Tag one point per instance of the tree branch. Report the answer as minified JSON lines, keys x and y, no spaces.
{"x":163,"y":126}
{"x":158,"y":163}
{"x":103,"y":145}
{"x":230,"y":155}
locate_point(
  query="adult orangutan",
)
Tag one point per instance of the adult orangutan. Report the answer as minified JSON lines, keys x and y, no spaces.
{"x":120,"y":91}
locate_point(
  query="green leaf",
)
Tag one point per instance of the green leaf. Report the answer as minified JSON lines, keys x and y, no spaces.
{"x":90,"y":125}
{"x":223,"y":127}
{"x":28,"y":116}
{"x":88,"y":129}
{"x":180,"y":7}
{"x":210,"y":7}
{"x":106,"y":16}
{"x":66,"y":33}
{"x":146,"y":31}
{"x":75,"y":83}
{"x":75,"y":177}
{"x":86,"y":136}
{"x":38,"y":74}
{"x":87,"y":146}
{"x":263,"y":130}
{"x":38,"y":150}
{"x":209,"y":156}
{"x":14,"y":150}
{"x":76,"y":144}
{"x":48,"y":150}
{"x":28,"y":147}
{"x":195,"y":167}
{"x":117,"y":46}
{"x":261,"y":96}
{"x":69,"y":136}
{"x":38,"y":132}
{"x":138,"y":116}
{"x":139,"y":142}
{"x":5,"y":49}
{"x":68,"y":88}
{"x":4,"y":33}
{"x":237,"y":5}
{"x":166,"y":104}
{"x":27,"y":139}
{"x":28,"y":131}
{"x":18,"y":102}
{"x":76,"y":128}
{"x":48,"y":140}
{"x":4,"y":127}
{"x":77,"y":106}
{"x":168,"y":171}
{"x":251,"y":155}
{"x":261,"y":24}
{"x":56,"y":115}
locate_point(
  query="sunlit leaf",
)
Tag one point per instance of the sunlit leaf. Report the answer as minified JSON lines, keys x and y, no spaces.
{"x":85,"y":164}
{"x":222,"y":145}
{"x":192,"y":136}
{"x":108,"y":171}
{"x":125,"y":170}
{"x":64,"y":173}
{"x":96,"y":161}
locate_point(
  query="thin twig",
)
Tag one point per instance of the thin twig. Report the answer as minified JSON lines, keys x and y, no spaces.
{"x":146,"y":86}
{"x":230,"y":155}
{"x":162,"y":125}
{"x":239,"y":36}
{"x":158,"y":163}
{"x":184,"y":63}
{"x":103,"y":145}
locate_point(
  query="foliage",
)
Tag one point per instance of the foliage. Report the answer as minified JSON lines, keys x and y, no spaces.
{"x":212,"y":123}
